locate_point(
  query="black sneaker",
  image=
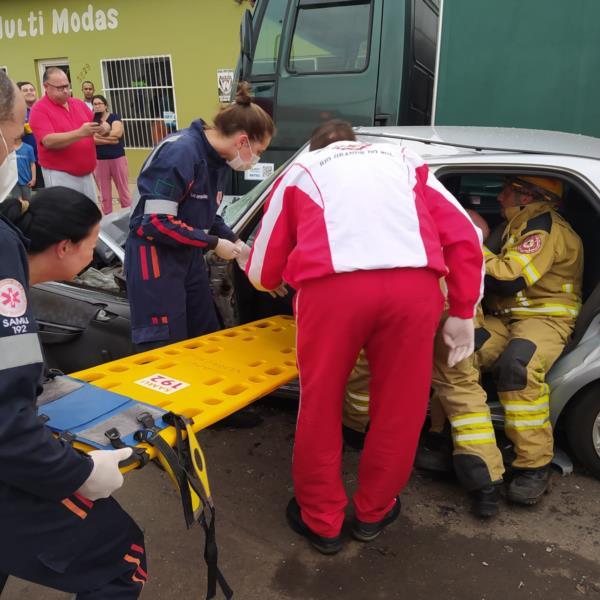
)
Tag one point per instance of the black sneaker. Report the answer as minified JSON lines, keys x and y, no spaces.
{"x":366,"y":532}
{"x":323,"y":544}
{"x":485,"y":502}
{"x":528,"y":485}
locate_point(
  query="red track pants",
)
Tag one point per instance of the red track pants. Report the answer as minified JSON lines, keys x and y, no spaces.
{"x":393,"y":314}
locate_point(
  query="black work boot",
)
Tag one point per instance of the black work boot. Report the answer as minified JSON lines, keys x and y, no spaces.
{"x":434,"y":453}
{"x":353,"y":438}
{"x":323,"y":544}
{"x":528,"y":485}
{"x":485,"y":502}
{"x":366,"y":532}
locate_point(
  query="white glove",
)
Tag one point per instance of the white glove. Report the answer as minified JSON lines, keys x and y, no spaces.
{"x":105,"y":477}
{"x":459,"y":335}
{"x":280,"y":291}
{"x":244,"y":249}
{"x":226,"y":249}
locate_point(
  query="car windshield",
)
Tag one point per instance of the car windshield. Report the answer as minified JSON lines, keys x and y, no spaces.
{"x":235,"y":207}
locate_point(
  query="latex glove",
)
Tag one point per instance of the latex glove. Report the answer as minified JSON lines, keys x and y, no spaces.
{"x":459,"y":335}
{"x":105,"y":477}
{"x":244,"y":249}
{"x":479,"y":222}
{"x":226,"y":249}
{"x":279,"y":292}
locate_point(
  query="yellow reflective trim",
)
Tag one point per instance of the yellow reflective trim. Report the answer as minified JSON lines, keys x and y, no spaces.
{"x":524,"y":408}
{"x":517,"y":426}
{"x":475,"y":438}
{"x":531,"y":274}
{"x":529,"y":423}
{"x":469,"y":419}
{"x":487,"y":253}
{"x":359,"y":408}
{"x":358,"y":396}
{"x":537,"y":402}
{"x":557,"y":310}
{"x":518,"y":257}
{"x":567,"y":287}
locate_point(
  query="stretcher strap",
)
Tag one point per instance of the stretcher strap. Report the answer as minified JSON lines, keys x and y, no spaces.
{"x":187,"y":467}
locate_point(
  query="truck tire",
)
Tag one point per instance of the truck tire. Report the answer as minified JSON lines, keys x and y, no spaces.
{"x":583,"y":428}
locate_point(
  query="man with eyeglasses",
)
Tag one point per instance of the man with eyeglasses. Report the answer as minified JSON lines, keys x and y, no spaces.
{"x":64,"y":130}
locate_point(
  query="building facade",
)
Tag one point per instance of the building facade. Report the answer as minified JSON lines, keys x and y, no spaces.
{"x":160,"y":64}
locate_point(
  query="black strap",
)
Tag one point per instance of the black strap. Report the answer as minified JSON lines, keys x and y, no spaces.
{"x":180,"y":462}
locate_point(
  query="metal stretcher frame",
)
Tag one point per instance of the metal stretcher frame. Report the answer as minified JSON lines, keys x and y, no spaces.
{"x":205,"y":378}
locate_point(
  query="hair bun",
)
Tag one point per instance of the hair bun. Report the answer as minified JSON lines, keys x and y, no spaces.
{"x":243,"y":94}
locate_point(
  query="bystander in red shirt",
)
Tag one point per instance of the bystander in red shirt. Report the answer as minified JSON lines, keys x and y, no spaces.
{"x":78,"y":158}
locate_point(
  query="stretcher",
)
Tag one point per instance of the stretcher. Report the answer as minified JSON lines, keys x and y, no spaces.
{"x":156,"y":401}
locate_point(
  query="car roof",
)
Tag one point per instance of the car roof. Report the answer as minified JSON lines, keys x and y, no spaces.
{"x":495,"y":139}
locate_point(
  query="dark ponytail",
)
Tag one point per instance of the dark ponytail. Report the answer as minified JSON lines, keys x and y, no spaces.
{"x":53,"y":214}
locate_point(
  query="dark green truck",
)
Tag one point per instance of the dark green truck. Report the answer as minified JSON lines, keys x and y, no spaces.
{"x":514,"y":63}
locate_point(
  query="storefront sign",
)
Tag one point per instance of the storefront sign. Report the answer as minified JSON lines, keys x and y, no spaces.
{"x":59,"y":21}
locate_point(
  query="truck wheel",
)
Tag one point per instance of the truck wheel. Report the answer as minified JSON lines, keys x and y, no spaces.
{"x":583,"y":428}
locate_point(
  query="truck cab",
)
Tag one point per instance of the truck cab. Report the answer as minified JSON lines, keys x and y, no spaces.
{"x":305,"y":71}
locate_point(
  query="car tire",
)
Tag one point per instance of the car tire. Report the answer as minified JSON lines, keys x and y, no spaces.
{"x":583,"y":428}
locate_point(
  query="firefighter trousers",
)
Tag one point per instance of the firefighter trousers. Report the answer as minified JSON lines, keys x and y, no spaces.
{"x":393,"y":314}
{"x":519,"y":353}
{"x":458,"y":395}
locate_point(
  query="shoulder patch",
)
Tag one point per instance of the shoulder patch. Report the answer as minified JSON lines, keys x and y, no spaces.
{"x":13,"y":301}
{"x":531,"y":244}
{"x":542,"y":222}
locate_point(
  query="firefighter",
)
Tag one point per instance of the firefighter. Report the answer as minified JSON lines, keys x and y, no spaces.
{"x":459,"y":396}
{"x":341,"y":223}
{"x":533,"y":295}
{"x":181,"y":185}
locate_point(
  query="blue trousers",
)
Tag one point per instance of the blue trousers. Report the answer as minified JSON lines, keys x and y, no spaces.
{"x":92,"y":549}
{"x":169,"y":293}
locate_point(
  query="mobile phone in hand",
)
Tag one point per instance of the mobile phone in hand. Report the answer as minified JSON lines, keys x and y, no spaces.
{"x":97,"y":118}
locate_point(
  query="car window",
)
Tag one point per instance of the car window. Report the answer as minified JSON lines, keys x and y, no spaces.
{"x":319,"y":48}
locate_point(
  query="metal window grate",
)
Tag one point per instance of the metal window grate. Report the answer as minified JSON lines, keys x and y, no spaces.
{"x":140,"y":90}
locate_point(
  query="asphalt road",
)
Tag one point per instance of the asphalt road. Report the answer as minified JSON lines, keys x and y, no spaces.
{"x":436,"y":550}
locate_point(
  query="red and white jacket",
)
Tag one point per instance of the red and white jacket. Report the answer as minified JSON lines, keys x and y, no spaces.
{"x":354,"y":206}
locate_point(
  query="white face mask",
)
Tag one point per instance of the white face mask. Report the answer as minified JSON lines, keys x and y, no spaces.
{"x":8,"y":172}
{"x":238,"y":164}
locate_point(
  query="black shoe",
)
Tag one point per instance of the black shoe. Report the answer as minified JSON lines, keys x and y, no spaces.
{"x":366,"y":532}
{"x":434,"y":453}
{"x":528,"y":485}
{"x":354,"y":439}
{"x":323,"y":544}
{"x":485,"y":502}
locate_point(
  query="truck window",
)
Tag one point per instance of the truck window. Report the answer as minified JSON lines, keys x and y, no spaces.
{"x":317,"y":47}
{"x":267,"y":44}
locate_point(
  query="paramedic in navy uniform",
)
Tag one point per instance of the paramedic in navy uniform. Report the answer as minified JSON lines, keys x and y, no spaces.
{"x":60,"y":526}
{"x":175,"y":222}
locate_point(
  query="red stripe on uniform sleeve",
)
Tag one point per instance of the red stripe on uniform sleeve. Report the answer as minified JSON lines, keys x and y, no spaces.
{"x":174,"y":235}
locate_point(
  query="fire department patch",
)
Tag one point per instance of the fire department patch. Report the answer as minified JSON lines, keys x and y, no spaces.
{"x":13,"y":302}
{"x":530,"y":244}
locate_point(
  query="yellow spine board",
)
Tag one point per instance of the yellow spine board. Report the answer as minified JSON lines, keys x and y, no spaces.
{"x":205,"y":378}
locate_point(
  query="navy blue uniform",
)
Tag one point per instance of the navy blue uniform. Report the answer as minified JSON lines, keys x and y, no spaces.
{"x":174,"y":223}
{"x":52,"y":535}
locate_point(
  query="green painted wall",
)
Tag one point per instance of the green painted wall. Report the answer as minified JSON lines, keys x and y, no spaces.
{"x":200,"y":35}
{"x":520,"y":63}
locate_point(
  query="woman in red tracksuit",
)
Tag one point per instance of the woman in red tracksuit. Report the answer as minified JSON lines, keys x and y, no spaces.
{"x":364,"y":232}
